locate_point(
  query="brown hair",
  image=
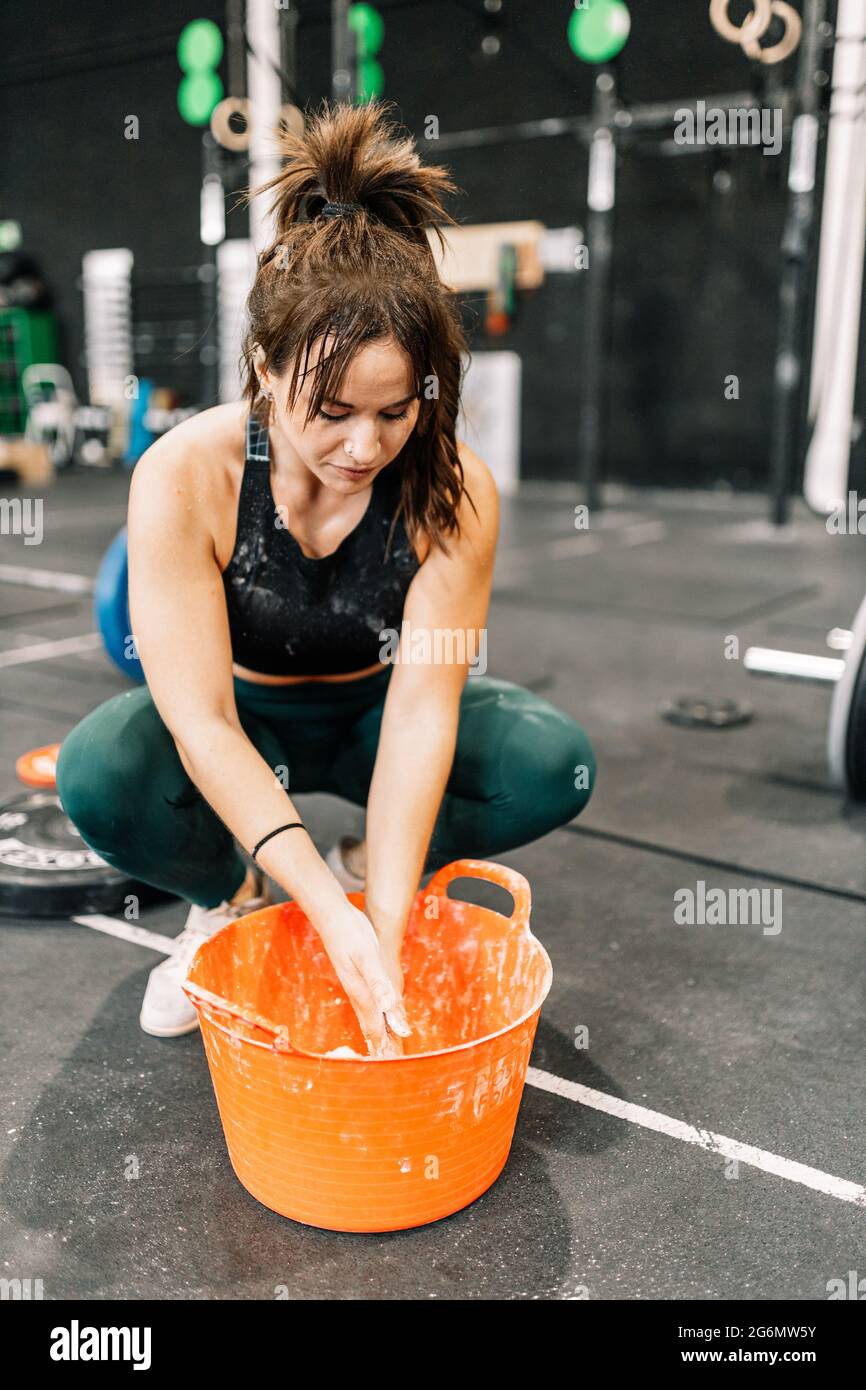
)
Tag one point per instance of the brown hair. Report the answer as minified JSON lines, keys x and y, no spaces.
{"x":360,"y":277}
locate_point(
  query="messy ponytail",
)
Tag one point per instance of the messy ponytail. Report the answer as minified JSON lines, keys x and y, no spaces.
{"x":365,"y":275}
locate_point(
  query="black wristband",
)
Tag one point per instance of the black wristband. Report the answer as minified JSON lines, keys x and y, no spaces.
{"x":294,"y":825}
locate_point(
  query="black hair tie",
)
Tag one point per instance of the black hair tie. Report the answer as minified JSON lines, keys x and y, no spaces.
{"x":294,"y":825}
{"x":341,"y":209}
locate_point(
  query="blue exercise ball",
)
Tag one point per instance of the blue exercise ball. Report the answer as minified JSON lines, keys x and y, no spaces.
{"x":111,"y":608}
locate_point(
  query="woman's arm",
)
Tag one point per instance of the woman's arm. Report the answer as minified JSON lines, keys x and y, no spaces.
{"x":178,"y":613}
{"x":450,"y":594}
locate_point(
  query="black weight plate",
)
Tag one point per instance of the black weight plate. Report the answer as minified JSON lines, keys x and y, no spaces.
{"x":46,"y":869}
{"x":706,"y":712}
{"x":846,"y":728}
{"x":855,"y":743}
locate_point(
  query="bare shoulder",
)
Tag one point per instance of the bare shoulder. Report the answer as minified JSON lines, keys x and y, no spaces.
{"x":194,"y":461}
{"x":479,"y":528}
{"x":482,"y":489}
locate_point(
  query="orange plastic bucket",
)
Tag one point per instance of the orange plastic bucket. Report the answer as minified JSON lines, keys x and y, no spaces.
{"x":363,"y":1143}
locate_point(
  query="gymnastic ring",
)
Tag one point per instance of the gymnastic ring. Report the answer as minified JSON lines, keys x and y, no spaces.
{"x":220,"y":126}
{"x":291,"y":118}
{"x":778,"y":52}
{"x":751,"y":28}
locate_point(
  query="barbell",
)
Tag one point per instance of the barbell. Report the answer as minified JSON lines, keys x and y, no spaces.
{"x":846,"y":729}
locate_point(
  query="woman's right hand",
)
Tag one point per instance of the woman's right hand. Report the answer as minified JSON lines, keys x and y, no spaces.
{"x":353,"y":947}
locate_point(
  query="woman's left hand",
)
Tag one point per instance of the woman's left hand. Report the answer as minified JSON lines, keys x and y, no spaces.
{"x":390,"y":951}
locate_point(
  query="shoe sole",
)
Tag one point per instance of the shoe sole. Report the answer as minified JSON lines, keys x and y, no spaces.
{"x":349,"y":882}
{"x":156,"y":1032}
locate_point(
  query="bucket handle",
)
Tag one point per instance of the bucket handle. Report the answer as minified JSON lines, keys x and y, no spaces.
{"x":509,"y":879}
{"x":198,"y":996}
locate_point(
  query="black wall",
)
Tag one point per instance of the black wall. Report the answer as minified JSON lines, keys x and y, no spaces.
{"x":696,"y":268}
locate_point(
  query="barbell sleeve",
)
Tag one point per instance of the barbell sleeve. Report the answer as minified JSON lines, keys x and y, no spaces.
{"x":796,"y":666}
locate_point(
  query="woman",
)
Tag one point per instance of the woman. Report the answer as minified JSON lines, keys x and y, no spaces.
{"x":275,"y":546}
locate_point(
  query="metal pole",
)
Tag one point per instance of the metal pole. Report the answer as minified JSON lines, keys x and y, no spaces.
{"x":643,"y":116}
{"x":209,"y":349}
{"x":342,"y":54}
{"x":264,"y":87}
{"x":796,"y":254}
{"x":601,"y":199}
{"x":235,"y":48}
{"x":288,"y":19}
{"x":838,"y":293}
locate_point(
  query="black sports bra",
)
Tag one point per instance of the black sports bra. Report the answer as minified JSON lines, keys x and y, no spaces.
{"x":293,"y":614}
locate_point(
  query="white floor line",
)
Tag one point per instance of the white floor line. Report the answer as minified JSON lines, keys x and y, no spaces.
{"x":115,"y":926}
{"x":46,"y":579}
{"x":46,"y":651}
{"x":705,"y":1139}
{"x":597,"y":1100}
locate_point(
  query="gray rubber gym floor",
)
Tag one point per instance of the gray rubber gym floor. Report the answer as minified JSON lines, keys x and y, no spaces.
{"x":707,"y":1144}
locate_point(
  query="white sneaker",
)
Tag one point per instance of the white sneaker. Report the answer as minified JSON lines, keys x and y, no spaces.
{"x":348,"y":881}
{"x":165,"y":1010}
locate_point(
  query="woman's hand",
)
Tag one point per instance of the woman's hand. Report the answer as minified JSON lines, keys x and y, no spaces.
{"x":391,"y":949}
{"x":370,"y":973}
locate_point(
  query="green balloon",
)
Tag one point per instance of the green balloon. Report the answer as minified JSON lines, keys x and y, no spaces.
{"x":368,"y":27}
{"x":197,"y":96}
{"x":371,"y":80}
{"x":596,"y":34}
{"x":200,"y":46}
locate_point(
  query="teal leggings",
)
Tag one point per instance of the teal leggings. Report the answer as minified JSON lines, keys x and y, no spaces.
{"x":521,"y":768}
